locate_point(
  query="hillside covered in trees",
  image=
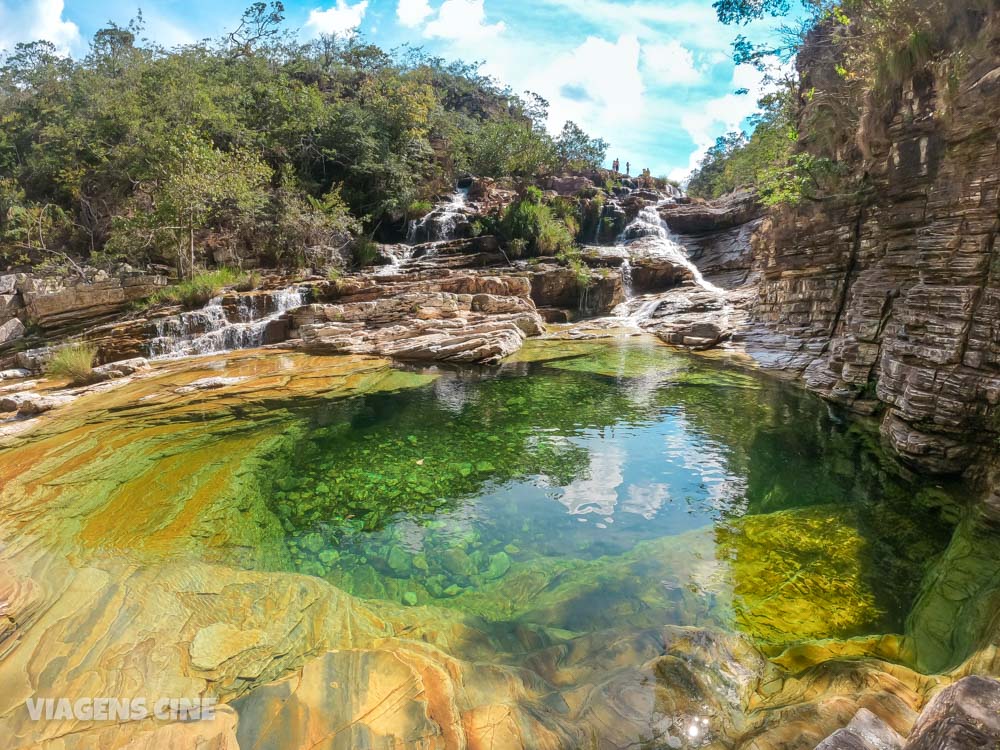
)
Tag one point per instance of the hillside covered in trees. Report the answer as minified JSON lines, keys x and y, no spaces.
{"x":833,"y":82}
{"x":255,"y":143}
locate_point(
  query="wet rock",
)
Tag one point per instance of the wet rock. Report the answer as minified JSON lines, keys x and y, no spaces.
{"x":456,"y":562}
{"x":844,"y":739}
{"x":498,"y":566}
{"x":597,"y":293}
{"x":865,"y":732}
{"x":694,"y":318}
{"x":963,"y":716}
{"x":209,"y":384}
{"x":220,"y":642}
{"x":656,"y":274}
{"x":399,"y":562}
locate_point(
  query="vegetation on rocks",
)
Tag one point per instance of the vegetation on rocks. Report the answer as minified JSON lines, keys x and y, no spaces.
{"x":74,"y":362}
{"x":253,"y":146}
{"x":529,"y":226}
{"x":859,"y":55}
{"x":203,"y":286}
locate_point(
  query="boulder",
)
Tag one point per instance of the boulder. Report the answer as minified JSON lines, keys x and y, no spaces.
{"x":865,"y":732}
{"x":12,"y":330}
{"x":568,"y":184}
{"x":963,"y":716}
{"x":120,"y":369}
{"x":28,"y":403}
{"x":10,"y":305}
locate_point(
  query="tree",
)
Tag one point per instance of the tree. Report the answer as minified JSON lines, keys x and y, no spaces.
{"x":577,"y":150}
{"x":197,"y":183}
{"x":509,"y":148}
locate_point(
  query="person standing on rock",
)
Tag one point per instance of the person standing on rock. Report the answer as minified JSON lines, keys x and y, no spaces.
{"x":614,"y":165}
{"x":628,"y":168}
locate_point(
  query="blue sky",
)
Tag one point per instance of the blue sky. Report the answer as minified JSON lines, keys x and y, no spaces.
{"x":655,"y":78}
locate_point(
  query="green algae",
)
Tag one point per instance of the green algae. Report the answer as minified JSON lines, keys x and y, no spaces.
{"x":588,"y":485}
{"x":593,"y":483}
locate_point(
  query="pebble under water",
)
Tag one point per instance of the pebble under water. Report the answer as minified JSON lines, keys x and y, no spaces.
{"x":587,"y":484}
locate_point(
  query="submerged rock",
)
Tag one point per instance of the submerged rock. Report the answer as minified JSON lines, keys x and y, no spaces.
{"x":963,"y":716}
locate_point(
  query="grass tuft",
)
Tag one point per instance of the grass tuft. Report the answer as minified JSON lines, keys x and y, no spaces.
{"x":197,"y":291}
{"x":74,"y":362}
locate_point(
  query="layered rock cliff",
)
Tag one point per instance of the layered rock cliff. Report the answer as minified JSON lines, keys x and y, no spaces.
{"x":888,"y":299}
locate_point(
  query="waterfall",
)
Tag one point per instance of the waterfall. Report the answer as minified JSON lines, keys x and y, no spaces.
{"x":658,"y":240}
{"x":396,"y":260}
{"x":440,"y":223}
{"x":210,"y":330}
{"x":626,"y":272}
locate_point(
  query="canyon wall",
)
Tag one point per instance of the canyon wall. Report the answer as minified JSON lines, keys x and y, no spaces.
{"x":888,"y":299}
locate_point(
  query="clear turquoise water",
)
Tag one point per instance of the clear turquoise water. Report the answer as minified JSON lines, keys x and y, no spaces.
{"x":593,"y":475}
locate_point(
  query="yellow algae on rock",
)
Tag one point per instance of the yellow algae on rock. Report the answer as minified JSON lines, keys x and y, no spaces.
{"x":799,"y":574}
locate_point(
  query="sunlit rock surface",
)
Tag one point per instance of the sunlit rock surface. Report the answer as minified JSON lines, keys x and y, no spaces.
{"x":165,"y":538}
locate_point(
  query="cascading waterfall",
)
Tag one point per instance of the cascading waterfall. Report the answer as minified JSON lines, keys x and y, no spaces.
{"x":626,"y":272}
{"x":210,"y":330}
{"x":397,"y":259}
{"x":657,"y":240}
{"x":440,"y":223}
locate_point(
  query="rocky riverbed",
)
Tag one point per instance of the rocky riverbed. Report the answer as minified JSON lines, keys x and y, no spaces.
{"x":148,"y":551}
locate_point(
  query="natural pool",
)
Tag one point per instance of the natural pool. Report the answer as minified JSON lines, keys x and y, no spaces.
{"x":598,"y":539}
{"x":588,"y":482}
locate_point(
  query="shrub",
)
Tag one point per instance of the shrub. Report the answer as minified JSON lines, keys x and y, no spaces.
{"x":553,"y":239}
{"x":517,"y":247}
{"x":249,"y":282}
{"x":202,"y":287}
{"x":419,"y":209}
{"x":364,"y":252}
{"x":74,"y":362}
{"x":531,"y":222}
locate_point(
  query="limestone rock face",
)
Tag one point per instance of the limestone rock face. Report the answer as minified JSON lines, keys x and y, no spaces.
{"x":557,"y":286}
{"x":893,"y":300}
{"x":82,"y":302}
{"x":730,"y":211}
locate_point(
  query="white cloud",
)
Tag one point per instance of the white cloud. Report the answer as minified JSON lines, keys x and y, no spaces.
{"x":596,"y":84}
{"x":695,"y":23}
{"x":413,"y":12}
{"x":670,"y":64}
{"x":341,"y":18}
{"x":165,"y":31}
{"x":31,"y":20}
{"x":464,"y":20}
{"x":721,"y":115}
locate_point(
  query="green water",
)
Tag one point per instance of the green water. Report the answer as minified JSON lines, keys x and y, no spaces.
{"x":590,"y":484}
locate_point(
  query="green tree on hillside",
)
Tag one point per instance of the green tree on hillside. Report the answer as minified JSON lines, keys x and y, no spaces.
{"x":196,"y":184}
